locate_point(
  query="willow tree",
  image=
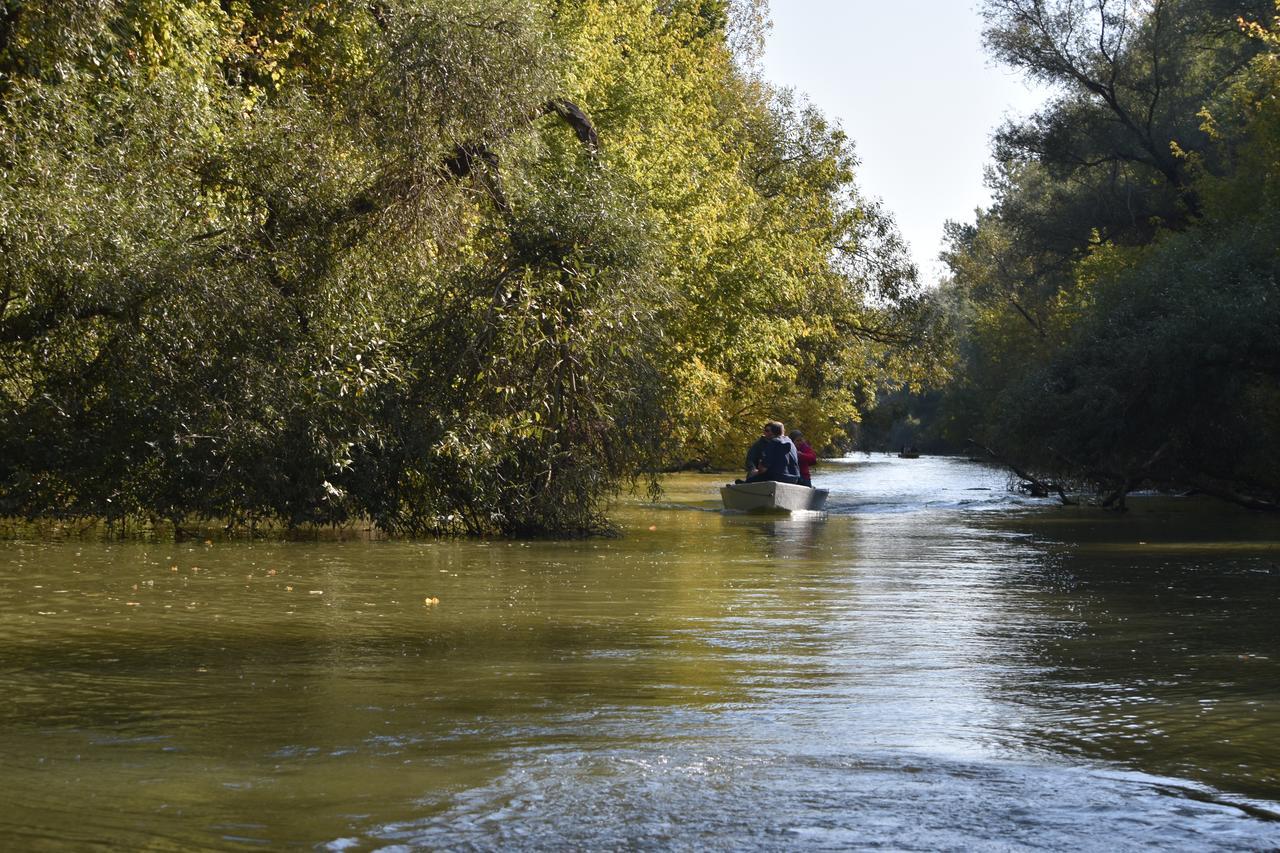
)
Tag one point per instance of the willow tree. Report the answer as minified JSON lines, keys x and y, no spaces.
{"x":785,"y":293}
{"x":448,"y":266}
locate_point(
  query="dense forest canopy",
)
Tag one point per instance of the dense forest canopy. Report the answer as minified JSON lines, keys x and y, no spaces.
{"x":1117,"y":306}
{"x":472,"y":265}
{"x":444,"y":265}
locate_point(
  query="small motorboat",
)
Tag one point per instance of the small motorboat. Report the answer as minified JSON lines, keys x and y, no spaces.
{"x":783,"y":497}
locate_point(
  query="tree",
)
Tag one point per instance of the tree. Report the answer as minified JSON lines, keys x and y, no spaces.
{"x":445,"y":266}
{"x":1133,"y":75}
{"x":1140,"y":352}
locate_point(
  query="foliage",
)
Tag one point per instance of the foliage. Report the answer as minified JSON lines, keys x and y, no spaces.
{"x":445,"y":265}
{"x":1116,"y":305}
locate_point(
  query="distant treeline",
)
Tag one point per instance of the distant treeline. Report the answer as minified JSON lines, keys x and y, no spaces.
{"x":442,"y":265}
{"x":1117,"y":311}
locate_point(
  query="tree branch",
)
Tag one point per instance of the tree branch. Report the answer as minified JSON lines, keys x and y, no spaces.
{"x":1039,"y":488}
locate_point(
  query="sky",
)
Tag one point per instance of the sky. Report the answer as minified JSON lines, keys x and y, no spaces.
{"x":913,"y":88}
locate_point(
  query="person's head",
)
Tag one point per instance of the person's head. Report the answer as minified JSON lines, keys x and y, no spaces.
{"x":773,"y":429}
{"x":796,"y":435}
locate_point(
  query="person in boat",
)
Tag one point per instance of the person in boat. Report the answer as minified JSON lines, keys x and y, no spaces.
{"x":806,"y":454}
{"x":773,"y":457}
{"x":756,"y":451}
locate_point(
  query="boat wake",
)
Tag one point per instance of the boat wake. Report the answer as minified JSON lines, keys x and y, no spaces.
{"x":892,"y":486}
{"x":853,"y":505}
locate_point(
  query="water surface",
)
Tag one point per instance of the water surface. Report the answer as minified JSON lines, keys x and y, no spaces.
{"x":935,"y":664}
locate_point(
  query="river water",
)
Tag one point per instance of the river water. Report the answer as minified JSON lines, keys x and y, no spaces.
{"x":935,"y":664}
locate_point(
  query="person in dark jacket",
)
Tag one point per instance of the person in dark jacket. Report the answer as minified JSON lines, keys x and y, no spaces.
{"x":756,"y":452}
{"x":807,"y":455}
{"x":777,"y":459}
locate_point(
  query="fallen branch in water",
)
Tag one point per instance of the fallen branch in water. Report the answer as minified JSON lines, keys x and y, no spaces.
{"x":1038,"y":488}
{"x":1231,"y":495}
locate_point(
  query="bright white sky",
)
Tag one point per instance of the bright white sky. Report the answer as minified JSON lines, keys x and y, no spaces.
{"x":913,"y":88}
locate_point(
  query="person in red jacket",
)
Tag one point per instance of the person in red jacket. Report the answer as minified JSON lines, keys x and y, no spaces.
{"x":807,"y":456}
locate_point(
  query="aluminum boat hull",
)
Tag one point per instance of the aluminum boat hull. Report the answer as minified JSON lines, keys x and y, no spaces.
{"x":782,"y":497}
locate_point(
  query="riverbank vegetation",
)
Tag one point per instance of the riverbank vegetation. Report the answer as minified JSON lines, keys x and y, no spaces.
{"x":440,"y":265}
{"x":1117,"y":306}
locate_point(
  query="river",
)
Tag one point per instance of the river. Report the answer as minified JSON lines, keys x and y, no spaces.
{"x":935,"y":664}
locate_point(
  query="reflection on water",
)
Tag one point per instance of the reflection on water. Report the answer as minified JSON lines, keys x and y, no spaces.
{"x":935,"y":663}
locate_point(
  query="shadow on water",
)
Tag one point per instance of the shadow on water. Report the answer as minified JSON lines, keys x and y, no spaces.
{"x":1165,"y":656}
